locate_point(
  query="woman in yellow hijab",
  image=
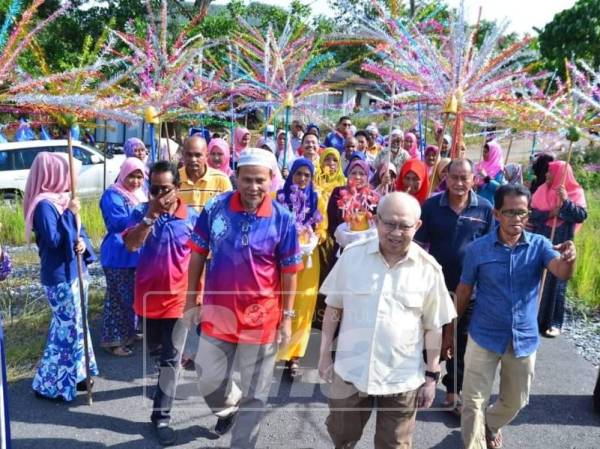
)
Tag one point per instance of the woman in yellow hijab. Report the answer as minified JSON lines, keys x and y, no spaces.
{"x":330,"y":174}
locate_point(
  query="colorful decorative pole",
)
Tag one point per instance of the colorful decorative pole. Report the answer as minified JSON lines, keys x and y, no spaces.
{"x":268,"y":99}
{"x":451,"y":107}
{"x":289,"y":104}
{"x":151,"y":117}
{"x":67,"y":121}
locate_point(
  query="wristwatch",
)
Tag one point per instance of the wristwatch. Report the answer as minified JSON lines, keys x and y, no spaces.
{"x":289,"y":314}
{"x":148,"y":221}
{"x":433,"y":375}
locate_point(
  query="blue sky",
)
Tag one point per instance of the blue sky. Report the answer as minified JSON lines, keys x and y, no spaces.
{"x":522,"y":14}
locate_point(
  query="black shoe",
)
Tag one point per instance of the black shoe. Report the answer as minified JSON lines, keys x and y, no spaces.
{"x":82,"y":386}
{"x":224,"y":425}
{"x":165,"y":434}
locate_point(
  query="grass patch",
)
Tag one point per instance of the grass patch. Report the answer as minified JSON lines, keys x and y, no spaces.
{"x":25,"y":337}
{"x":12,"y":231}
{"x":585,"y":285}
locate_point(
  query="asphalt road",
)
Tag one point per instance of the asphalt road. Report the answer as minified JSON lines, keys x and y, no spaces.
{"x":559,"y":415}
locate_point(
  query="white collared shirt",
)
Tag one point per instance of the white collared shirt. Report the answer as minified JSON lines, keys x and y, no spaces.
{"x":386,"y":311}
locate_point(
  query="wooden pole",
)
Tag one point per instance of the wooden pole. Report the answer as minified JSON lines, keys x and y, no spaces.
{"x":389,"y":155}
{"x":168,"y":143}
{"x":554,"y":222}
{"x":510,"y":142}
{"x":437,"y":159}
{"x":84,"y":322}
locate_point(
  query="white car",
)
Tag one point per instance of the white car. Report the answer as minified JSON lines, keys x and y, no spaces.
{"x":16,"y":159}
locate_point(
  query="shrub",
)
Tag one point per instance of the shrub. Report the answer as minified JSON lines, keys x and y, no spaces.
{"x":585,"y":285}
{"x":12,"y":231}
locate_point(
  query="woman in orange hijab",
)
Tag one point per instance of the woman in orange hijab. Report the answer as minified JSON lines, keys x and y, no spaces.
{"x":413,"y":179}
{"x":565,"y":204}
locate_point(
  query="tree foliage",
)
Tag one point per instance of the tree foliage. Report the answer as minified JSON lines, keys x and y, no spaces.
{"x":574,"y":34}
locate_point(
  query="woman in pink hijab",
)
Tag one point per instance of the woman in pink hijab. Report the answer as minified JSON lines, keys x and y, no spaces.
{"x":566,"y":204}
{"x":219,"y":155}
{"x":411,"y":145}
{"x":118,"y":202}
{"x":491,"y":165}
{"x":241,"y":141}
{"x":51,"y":214}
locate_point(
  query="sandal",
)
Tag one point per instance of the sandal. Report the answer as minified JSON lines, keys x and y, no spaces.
{"x":493,"y":441}
{"x":553,"y":332}
{"x":293,"y":367}
{"x":119,"y":351}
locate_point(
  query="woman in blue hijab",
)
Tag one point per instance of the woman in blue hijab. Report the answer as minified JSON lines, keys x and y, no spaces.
{"x":310,"y":214}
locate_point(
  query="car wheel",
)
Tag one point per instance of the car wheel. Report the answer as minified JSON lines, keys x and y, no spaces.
{"x":11,"y":196}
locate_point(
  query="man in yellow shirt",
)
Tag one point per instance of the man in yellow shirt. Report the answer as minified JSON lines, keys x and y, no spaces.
{"x":199,"y":182}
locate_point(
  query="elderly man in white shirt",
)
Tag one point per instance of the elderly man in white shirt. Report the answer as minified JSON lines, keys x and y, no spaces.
{"x":389,"y":298}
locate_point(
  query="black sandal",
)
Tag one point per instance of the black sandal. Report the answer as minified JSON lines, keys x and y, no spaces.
{"x":293,"y":368}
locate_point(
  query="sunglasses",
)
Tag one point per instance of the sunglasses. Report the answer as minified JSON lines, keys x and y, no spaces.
{"x":157,"y":190}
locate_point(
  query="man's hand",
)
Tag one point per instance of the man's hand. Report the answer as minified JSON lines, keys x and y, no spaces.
{"x":567,"y":251}
{"x":192,"y":314}
{"x":161,"y":204}
{"x":426,"y":393}
{"x":285,"y":332}
{"x":326,"y":367}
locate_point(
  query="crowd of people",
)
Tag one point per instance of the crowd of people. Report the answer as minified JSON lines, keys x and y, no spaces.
{"x":213,"y":241}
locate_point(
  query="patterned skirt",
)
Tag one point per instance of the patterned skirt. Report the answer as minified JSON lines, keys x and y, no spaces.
{"x":62,"y":364}
{"x":119,"y":321}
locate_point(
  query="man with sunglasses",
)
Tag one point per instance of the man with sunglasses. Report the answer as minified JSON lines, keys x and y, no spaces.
{"x":162,"y":228}
{"x":452,"y":220}
{"x":247,"y":306}
{"x":505,"y":267}
{"x":389,"y":298}
{"x":335,"y":139}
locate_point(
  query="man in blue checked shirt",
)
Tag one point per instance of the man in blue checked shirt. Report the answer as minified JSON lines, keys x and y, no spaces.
{"x":505,"y":267}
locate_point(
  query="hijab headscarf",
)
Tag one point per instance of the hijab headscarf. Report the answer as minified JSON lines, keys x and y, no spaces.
{"x":494,"y":164}
{"x":431,"y":149}
{"x":48,"y":179}
{"x":324,"y":179}
{"x":356,"y":155}
{"x":439,"y":184}
{"x":224,"y":147}
{"x":358,"y":162}
{"x":131,"y":144}
{"x":376,"y":181}
{"x":138,"y":196}
{"x":545,"y":197}
{"x":238,"y":135}
{"x":419,"y":168}
{"x":309,"y":191}
{"x":290,"y":158}
{"x":513,"y":173}
{"x":414,"y":147}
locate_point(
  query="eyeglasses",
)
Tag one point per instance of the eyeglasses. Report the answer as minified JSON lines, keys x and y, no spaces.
{"x":512,"y":213}
{"x":390,"y":226}
{"x":156,"y":190}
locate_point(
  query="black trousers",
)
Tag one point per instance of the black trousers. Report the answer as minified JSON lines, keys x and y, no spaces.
{"x":455,"y":368}
{"x":171,"y":338}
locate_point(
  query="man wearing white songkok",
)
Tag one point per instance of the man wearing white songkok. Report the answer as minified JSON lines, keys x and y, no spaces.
{"x":246,"y":308}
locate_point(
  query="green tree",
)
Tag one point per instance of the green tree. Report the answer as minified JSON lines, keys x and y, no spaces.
{"x":574,"y":34}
